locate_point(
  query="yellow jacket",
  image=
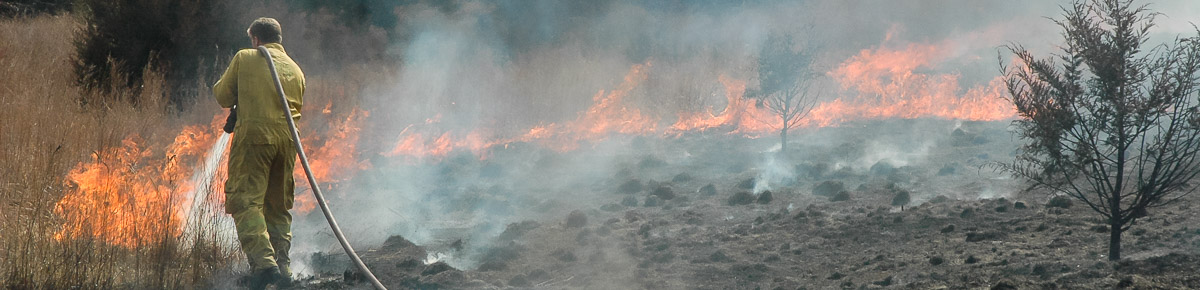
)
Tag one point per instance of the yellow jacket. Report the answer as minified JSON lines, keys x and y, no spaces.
{"x":247,"y":83}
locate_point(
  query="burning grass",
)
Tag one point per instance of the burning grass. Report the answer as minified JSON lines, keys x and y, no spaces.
{"x":110,"y":195}
{"x":94,"y":193}
{"x":68,"y":170}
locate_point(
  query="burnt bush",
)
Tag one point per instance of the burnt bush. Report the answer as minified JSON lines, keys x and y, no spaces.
{"x":883,"y":168}
{"x":630,"y":187}
{"x":519,"y":281}
{"x":516,"y":230}
{"x":829,"y":188}
{"x":652,"y":201}
{"x":719,"y":257}
{"x":747,"y":183}
{"x":564,"y":255}
{"x":436,"y":268}
{"x":812,"y":170}
{"x":708,"y":190}
{"x":741,"y":198}
{"x":629,"y":201}
{"x":682,"y":177}
{"x":851,"y":150}
{"x":967,"y":213}
{"x":961,"y":137}
{"x":948,"y":229}
{"x":984,"y":236}
{"x":840,"y":196}
{"x":750,"y":272}
{"x":1059,"y":201}
{"x":576,"y":219}
{"x":651,"y":162}
{"x":765,"y":197}
{"x":664,"y":192}
{"x":498,"y":257}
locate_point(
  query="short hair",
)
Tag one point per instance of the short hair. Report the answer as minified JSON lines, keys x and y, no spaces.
{"x":266,"y":29}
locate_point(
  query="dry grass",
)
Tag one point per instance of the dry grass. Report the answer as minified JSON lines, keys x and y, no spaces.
{"x":45,"y":132}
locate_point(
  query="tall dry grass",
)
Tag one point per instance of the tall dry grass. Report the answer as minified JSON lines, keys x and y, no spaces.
{"x":45,"y":132}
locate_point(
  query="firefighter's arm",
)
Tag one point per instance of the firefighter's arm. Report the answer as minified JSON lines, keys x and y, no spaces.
{"x":300,"y":98}
{"x":226,"y":88}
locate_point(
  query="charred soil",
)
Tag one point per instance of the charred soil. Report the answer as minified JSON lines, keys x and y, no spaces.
{"x":967,"y":227}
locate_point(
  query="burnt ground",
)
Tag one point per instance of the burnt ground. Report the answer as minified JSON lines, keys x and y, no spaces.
{"x":669,"y":220}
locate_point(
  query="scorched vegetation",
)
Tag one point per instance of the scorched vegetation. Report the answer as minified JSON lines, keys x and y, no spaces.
{"x":1110,"y":121}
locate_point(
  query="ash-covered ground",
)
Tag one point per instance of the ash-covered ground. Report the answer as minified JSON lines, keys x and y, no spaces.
{"x":721,"y":211}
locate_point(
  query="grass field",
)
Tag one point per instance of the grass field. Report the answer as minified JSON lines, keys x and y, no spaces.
{"x":45,"y":133}
{"x":91,"y":186}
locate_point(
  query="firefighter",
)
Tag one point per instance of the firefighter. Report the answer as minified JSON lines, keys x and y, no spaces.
{"x":259,"y":190}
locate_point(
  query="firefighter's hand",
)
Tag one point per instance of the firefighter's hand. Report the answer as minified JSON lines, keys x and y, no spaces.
{"x":231,"y":120}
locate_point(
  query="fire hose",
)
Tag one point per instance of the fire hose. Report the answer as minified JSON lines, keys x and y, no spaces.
{"x":312,"y":181}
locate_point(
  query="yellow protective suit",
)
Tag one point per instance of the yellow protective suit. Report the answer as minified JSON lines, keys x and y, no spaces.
{"x":260,"y":188}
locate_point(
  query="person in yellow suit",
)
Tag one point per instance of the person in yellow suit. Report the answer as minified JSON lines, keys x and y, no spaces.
{"x":259,"y":191}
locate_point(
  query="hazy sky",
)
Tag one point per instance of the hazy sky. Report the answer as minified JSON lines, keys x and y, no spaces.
{"x":543,"y":61}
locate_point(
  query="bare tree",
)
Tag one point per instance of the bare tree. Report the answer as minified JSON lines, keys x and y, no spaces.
{"x":1107,"y":122}
{"x":784,"y":78}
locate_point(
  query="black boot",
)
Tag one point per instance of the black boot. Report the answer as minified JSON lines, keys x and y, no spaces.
{"x":259,"y":280}
{"x":285,"y":281}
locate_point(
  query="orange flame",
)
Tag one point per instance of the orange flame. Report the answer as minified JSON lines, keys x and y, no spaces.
{"x":741,"y":115}
{"x":331,"y":161}
{"x":127,"y":197}
{"x":130,"y":193}
{"x":335,"y":161}
{"x":606,"y":116}
{"x":131,"y":196}
{"x":875,"y":84}
{"x":888,"y":86}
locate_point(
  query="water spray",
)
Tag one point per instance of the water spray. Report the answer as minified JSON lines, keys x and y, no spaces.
{"x":196,"y":206}
{"x":312,"y":181}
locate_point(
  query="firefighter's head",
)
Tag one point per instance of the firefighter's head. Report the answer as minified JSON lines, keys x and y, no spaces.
{"x":265,"y":30}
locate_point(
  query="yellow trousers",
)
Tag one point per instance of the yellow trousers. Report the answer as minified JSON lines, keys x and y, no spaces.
{"x":259,"y":193}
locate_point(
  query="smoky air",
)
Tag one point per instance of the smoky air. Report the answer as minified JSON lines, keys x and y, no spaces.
{"x":647,"y":145}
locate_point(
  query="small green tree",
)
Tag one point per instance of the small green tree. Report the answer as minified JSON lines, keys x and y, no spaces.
{"x":901,"y":199}
{"x":1107,"y":122}
{"x":784,"y":78}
